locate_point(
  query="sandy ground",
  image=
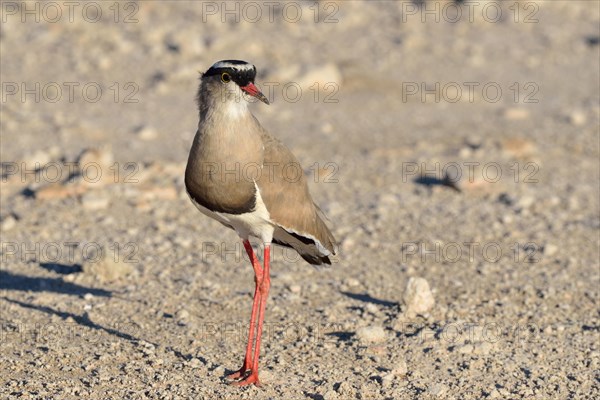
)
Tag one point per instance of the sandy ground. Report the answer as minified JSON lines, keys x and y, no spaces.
{"x":114,"y":287}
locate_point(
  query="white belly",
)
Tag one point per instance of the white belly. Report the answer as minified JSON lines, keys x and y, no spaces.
{"x":256,"y":223}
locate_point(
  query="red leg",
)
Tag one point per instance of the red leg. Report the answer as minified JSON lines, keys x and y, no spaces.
{"x":258,"y":273}
{"x":264,"y":292}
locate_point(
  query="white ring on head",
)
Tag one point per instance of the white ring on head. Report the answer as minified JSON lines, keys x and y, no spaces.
{"x":240,"y":67}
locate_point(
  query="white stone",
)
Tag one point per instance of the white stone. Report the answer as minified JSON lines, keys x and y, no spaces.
{"x":94,"y":201}
{"x":516,"y":114}
{"x":8,"y":223}
{"x":147,"y":133}
{"x":295,"y":288}
{"x":418,"y":297}
{"x":577,"y":118}
{"x":550,"y":249}
{"x":400,"y":369}
{"x":437,"y":389}
{"x":371,"y":334}
{"x":323,"y":75}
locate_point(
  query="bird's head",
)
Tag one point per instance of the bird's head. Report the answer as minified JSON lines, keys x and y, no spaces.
{"x":227,"y":80}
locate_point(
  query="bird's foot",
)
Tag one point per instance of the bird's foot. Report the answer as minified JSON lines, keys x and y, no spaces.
{"x":251,"y":378}
{"x":239,"y":373}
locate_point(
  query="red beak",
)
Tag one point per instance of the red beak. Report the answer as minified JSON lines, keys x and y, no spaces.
{"x":253,"y":91}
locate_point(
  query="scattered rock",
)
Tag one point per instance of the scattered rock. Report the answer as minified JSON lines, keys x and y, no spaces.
{"x":483,"y":347}
{"x":330,"y":395}
{"x":577,"y":118}
{"x":519,"y":147}
{"x":295,"y":288}
{"x":107,"y":266}
{"x":183,"y":314}
{"x":387,"y":379}
{"x":372,"y":308}
{"x":371,"y":334}
{"x":550,"y":249}
{"x":437,"y":389}
{"x":327,"y":128}
{"x":37,"y":159}
{"x":146,"y":133}
{"x":8,"y":223}
{"x":516,"y":114}
{"x":195,"y":363}
{"x":94,"y":201}
{"x":323,"y":75}
{"x":400,"y":369}
{"x":352,"y":282}
{"x":97,"y":168}
{"x":465,"y":349}
{"x":525,"y":202}
{"x":102,"y":157}
{"x":418,"y":298}
{"x":56,"y":191}
{"x":267,"y":376}
{"x":345,"y":389}
{"x":158,"y":192}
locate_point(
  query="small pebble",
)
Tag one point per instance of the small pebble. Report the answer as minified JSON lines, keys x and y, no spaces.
{"x":108,"y":266}
{"x":550,"y":249}
{"x":371,"y":334}
{"x":295,"y":288}
{"x":8,"y":223}
{"x":466,"y":349}
{"x":437,"y":389}
{"x":400,"y":369}
{"x":195,"y":363}
{"x":516,"y":114}
{"x":352,"y":282}
{"x":37,"y":159}
{"x":526,"y":202}
{"x":418,"y":297}
{"x":96,"y":157}
{"x":330,"y":395}
{"x":372,"y":308}
{"x":323,"y":75}
{"x":94,"y":201}
{"x":387,"y":379}
{"x":147,"y":133}
{"x":327,"y":127}
{"x":483,"y":348}
{"x":577,"y":118}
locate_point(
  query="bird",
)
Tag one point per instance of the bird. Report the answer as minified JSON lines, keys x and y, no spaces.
{"x":245,"y":178}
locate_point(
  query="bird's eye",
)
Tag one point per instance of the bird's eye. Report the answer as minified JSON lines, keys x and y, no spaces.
{"x":225,"y":78}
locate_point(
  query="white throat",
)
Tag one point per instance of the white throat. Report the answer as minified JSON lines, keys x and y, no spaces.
{"x":236,"y":108}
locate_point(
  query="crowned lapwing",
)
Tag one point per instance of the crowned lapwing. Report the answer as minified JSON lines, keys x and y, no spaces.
{"x":241,"y":176}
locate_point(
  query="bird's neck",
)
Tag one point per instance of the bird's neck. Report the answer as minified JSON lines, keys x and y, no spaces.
{"x":227,"y":131}
{"x":229,"y":110}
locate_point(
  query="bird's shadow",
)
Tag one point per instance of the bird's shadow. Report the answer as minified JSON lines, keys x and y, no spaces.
{"x":62,"y":269}
{"x":15,"y":282}
{"x":10,"y":281}
{"x":429,"y":182}
{"x":83,"y":320}
{"x":369,"y":299}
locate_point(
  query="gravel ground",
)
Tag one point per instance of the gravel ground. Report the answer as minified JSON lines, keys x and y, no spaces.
{"x":456,"y":156}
